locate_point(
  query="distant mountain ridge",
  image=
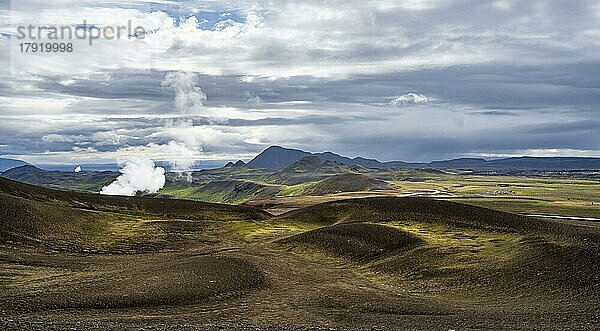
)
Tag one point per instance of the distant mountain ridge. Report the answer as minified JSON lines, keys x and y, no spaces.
{"x":278,"y":158}
{"x":6,"y":164}
{"x":87,"y":181}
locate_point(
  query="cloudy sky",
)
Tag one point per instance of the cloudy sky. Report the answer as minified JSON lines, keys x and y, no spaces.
{"x":413,"y":80}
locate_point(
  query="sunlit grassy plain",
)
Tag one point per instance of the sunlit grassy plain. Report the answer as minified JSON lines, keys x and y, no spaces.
{"x":524,"y":195}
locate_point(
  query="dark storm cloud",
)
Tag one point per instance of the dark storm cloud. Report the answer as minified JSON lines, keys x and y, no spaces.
{"x":116,"y":85}
{"x":580,"y":127}
{"x":488,"y":91}
{"x":495,"y":113}
{"x":490,"y":87}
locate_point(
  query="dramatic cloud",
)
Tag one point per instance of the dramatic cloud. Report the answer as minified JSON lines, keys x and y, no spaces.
{"x":137,"y":175}
{"x":221,"y":80}
{"x":320,"y":39}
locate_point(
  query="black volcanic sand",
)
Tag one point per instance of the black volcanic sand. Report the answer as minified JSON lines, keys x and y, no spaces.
{"x":78,"y":261}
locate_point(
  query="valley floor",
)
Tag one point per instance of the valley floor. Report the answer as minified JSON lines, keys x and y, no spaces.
{"x":371,"y":263}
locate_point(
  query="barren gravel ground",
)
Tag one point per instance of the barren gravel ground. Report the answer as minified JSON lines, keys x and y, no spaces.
{"x":365,"y":264}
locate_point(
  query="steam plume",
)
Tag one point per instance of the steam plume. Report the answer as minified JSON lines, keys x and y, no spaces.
{"x":137,"y":175}
{"x":188,"y":96}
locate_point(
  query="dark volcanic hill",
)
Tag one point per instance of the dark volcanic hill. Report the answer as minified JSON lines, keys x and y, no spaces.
{"x":276,"y":157}
{"x":348,"y":182}
{"x":6,"y":164}
{"x":104,"y":203}
{"x":236,"y":191}
{"x":356,"y":241}
{"x":308,"y":169}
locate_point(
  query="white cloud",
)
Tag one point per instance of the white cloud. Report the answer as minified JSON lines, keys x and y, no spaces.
{"x":100,"y":138}
{"x":316,"y":38}
{"x":86,"y":149}
{"x":408,"y":99}
{"x":67,"y":82}
{"x":58,"y":138}
{"x":107,"y":138}
{"x":196,"y":136}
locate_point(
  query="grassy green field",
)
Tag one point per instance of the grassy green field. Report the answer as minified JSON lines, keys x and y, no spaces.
{"x":525,"y":195}
{"x":517,"y":194}
{"x":522,"y":195}
{"x":191,"y":193}
{"x":312,"y":181}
